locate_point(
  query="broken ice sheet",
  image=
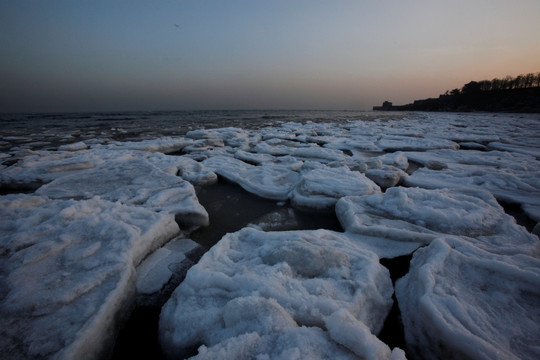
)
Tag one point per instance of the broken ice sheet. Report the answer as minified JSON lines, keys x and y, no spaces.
{"x":402,"y":219}
{"x":250,"y":270}
{"x":461,"y":302}
{"x":68,"y":272}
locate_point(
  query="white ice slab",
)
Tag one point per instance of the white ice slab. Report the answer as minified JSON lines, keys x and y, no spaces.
{"x":298,"y":278}
{"x":68,"y":272}
{"x":132,"y":181}
{"x":322,"y":187}
{"x":402,"y":219}
{"x":230,"y":136}
{"x":385,"y":177}
{"x":194,"y":172}
{"x":506,"y":184}
{"x":77,"y":146}
{"x":409,"y":143}
{"x":162,"y":144}
{"x":460,"y":302}
{"x":271,"y":182}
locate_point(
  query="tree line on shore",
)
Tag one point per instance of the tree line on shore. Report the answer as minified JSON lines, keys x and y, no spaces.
{"x":522,"y":81}
{"x":510,"y":94}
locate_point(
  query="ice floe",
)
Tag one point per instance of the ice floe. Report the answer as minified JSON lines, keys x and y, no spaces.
{"x":461,"y":302}
{"x":271,"y":182}
{"x":68,"y":272}
{"x":264,"y":283}
{"x":402,"y":219}
{"x":322,"y":187}
{"x":132,"y":182}
{"x":163,"y":145}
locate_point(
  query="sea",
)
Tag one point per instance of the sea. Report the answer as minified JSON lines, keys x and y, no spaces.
{"x":47,"y":131}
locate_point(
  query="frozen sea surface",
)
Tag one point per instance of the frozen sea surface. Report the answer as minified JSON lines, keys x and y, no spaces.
{"x":100,"y":213}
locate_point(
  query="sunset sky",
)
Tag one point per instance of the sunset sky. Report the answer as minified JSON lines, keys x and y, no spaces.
{"x":176,"y":55}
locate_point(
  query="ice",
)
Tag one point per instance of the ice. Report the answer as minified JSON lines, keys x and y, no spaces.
{"x":528,"y":149}
{"x":507,"y":184}
{"x":271,"y":182}
{"x":155,"y":271}
{"x":194,"y":172}
{"x":131,"y":177}
{"x":163,"y":145}
{"x":277,"y":220}
{"x":353,"y":334}
{"x":73,"y":146}
{"x":404,"y":143}
{"x":385,"y":177}
{"x":318,"y":153}
{"x":460,"y":302}
{"x":132,"y":181}
{"x":289,"y":344}
{"x":262,"y":282}
{"x":396,"y":159}
{"x":234,"y":137}
{"x":322,"y":187}
{"x":403,"y":219}
{"x":45,"y":166}
{"x":253,"y":158}
{"x":483,"y":159}
{"x":256,"y":294}
{"x":68,"y":272}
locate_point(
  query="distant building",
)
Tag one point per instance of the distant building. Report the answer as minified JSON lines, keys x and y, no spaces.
{"x":387,"y":105}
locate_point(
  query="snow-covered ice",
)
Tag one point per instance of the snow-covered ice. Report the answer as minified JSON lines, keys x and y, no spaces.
{"x":76,"y":252}
{"x":132,"y":181}
{"x":264,"y":282}
{"x":321,"y":188}
{"x":461,"y":302}
{"x":402,"y":219}
{"x":68,"y":273}
{"x":271,"y":182}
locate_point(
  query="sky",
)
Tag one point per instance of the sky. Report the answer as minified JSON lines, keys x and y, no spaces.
{"x":201,"y":54}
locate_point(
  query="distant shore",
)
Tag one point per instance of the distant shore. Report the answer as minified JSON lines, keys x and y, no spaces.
{"x":520,"y":94}
{"x":513,"y":100}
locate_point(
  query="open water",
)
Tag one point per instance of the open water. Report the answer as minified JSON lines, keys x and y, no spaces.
{"x":49,"y":130}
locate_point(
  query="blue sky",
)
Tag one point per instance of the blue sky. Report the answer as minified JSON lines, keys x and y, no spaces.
{"x":165,"y":55}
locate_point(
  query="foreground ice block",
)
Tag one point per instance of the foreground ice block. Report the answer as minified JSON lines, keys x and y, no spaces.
{"x":403,"y":219}
{"x":460,"y":302}
{"x":67,"y":270}
{"x":254,"y":282}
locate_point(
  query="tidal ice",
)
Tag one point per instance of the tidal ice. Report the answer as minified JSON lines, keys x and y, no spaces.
{"x":108,"y":220}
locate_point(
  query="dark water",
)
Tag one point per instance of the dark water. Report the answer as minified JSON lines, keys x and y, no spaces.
{"x":231,"y":208}
{"x":48,"y":131}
